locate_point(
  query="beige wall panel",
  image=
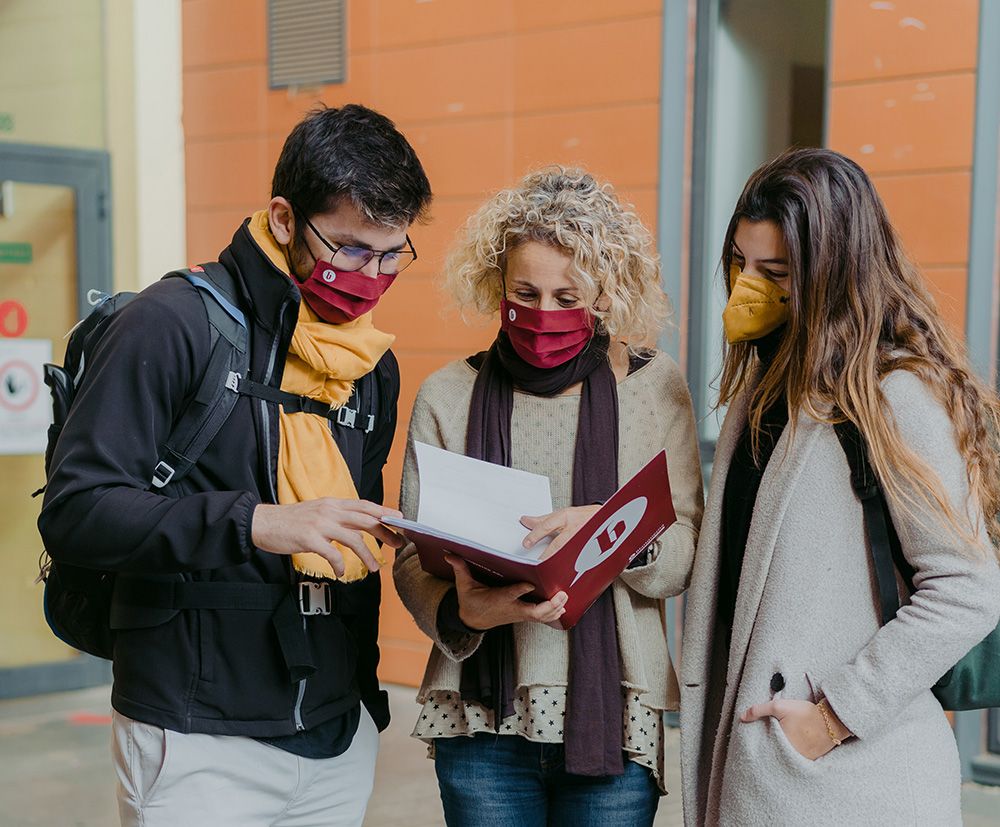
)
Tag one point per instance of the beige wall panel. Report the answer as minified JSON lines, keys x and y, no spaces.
{"x":51,"y":71}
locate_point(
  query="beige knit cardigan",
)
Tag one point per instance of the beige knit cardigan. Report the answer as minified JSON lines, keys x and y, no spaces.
{"x":655,"y":412}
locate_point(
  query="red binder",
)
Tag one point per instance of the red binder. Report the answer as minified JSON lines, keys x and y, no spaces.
{"x":639,"y":512}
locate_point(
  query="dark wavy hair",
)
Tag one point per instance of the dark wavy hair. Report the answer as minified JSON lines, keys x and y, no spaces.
{"x":859,"y":310}
{"x":356,"y":154}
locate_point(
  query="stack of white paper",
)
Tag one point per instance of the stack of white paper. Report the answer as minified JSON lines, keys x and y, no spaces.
{"x":480,"y":501}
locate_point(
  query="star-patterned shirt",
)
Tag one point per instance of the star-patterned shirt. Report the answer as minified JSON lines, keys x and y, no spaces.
{"x":539,"y":712}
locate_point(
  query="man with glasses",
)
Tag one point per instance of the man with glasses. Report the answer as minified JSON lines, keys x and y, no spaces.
{"x":252,"y":698}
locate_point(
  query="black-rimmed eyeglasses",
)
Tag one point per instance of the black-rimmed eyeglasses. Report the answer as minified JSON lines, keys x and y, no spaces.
{"x":352,"y":259}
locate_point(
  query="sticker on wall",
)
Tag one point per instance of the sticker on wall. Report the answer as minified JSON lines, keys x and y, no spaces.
{"x":25,"y":408}
{"x":13,"y":319}
{"x":16,"y":252}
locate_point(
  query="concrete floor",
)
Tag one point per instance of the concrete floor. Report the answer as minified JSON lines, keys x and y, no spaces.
{"x":55,"y":769}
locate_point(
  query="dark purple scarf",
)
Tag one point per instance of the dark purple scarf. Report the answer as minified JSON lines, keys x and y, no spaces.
{"x":592,"y":732}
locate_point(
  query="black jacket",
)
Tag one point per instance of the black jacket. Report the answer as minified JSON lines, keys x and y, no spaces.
{"x":214,"y":671}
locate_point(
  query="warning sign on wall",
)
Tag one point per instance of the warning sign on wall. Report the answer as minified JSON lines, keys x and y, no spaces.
{"x":25,"y":406}
{"x":13,"y":319}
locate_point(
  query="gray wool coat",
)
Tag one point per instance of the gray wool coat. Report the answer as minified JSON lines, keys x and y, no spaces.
{"x":806,"y":609}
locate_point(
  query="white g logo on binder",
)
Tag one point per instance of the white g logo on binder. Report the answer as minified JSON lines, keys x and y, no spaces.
{"x":610,"y":535}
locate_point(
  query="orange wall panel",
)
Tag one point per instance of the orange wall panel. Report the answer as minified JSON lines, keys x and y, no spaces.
{"x":286,"y":107}
{"x":361,"y":27}
{"x":467,"y":158}
{"x":644,"y":203}
{"x":455,"y":79}
{"x":931,"y":213}
{"x":586,"y":66}
{"x":224,"y":102}
{"x":532,"y":14}
{"x":229,"y":172}
{"x":216,"y":32}
{"x":414,"y":367}
{"x":393,"y":471}
{"x":403,"y":23}
{"x":275,"y":143}
{"x":907,"y":37}
{"x":914,"y":134}
{"x":421,"y":316}
{"x":402,"y":662}
{"x":905,"y":125}
{"x":620,"y":143}
{"x":435,"y":238}
{"x":209,"y":231}
{"x":404,"y":647}
{"x":948,"y":284}
{"x":393,"y":624}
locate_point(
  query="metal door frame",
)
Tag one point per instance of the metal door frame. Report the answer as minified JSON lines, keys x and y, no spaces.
{"x":979,"y":732}
{"x":88,"y":173}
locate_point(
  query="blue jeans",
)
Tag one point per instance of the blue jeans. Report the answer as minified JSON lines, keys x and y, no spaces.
{"x":502,"y":780}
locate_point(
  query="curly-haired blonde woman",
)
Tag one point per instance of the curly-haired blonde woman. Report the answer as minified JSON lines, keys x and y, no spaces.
{"x":531,"y":725}
{"x":800,"y":703}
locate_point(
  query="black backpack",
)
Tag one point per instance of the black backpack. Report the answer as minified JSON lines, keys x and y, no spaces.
{"x":77,"y":601}
{"x":973,"y":682}
{"x":83,"y":606}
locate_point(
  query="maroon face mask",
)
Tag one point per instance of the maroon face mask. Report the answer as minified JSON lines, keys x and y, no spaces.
{"x":546,"y":338}
{"x":339,"y":296}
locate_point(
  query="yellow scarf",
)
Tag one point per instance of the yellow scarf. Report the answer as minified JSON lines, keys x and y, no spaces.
{"x":323,"y":362}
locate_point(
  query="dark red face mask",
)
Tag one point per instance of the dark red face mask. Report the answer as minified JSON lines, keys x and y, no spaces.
{"x":546,"y":338}
{"x":339,"y":296}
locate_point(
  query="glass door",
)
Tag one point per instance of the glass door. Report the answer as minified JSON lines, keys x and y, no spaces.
{"x":54,"y":243}
{"x":759,"y":89}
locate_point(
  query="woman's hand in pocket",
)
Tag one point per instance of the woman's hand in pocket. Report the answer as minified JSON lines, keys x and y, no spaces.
{"x":802,"y":723}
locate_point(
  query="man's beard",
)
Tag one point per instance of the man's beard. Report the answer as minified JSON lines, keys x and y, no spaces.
{"x":300,"y":261}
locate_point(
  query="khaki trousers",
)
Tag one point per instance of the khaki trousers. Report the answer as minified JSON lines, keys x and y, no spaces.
{"x":169,"y":779}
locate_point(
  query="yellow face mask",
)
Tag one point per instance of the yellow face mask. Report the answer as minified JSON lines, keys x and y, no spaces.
{"x":756,"y":307}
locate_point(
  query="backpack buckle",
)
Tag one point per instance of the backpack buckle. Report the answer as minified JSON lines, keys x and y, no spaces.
{"x":233,"y":381}
{"x":348,"y":417}
{"x":315,"y":598}
{"x":162,"y":474}
{"x":96,"y":297}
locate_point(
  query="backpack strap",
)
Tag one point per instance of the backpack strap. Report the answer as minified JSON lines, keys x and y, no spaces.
{"x":367,"y":408}
{"x":883,"y":541}
{"x":216,"y":396}
{"x":350,"y":440}
{"x":345,"y":415}
{"x":350,"y":424}
{"x":226,"y":379}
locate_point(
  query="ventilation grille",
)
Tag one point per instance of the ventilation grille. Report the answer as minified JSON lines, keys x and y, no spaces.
{"x":307,"y":42}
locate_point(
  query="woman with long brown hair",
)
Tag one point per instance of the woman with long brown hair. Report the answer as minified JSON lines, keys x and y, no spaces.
{"x":798,"y":704}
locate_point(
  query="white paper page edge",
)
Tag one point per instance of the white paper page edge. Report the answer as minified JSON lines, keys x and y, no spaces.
{"x":478,"y":501}
{"x":532,"y":558}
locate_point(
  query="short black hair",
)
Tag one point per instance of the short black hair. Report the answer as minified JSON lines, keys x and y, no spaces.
{"x":352,"y":153}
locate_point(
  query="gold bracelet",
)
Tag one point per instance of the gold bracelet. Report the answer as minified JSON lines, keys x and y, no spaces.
{"x":824,"y":711}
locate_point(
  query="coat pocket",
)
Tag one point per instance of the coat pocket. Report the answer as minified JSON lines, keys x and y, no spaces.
{"x":787,"y":754}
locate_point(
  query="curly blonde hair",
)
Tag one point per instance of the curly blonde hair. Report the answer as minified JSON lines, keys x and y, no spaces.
{"x":613,"y":256}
